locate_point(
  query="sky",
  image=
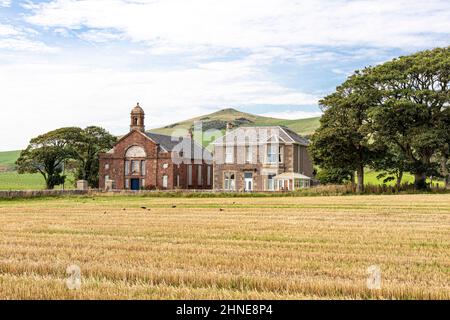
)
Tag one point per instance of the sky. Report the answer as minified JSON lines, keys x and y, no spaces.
{"x":80,"y":63}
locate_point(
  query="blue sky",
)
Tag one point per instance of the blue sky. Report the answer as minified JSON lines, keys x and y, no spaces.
{"x":67,"y":62}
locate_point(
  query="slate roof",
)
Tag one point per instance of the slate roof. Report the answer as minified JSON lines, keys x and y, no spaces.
{"x":284,"y":134}
{"x":295,"y":136}
{"x":167,"y":142}
{"x":170,"y":143}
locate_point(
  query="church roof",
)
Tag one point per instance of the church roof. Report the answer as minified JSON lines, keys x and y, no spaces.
{"x":171,"y":143}
{"x":167,"y":142}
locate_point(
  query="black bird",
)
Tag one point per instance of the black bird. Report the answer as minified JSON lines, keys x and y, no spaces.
{"x":144,"y":208}
{"x":174,"y":206}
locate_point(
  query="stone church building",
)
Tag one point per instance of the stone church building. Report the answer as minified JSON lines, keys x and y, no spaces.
{"x":143,"y":160}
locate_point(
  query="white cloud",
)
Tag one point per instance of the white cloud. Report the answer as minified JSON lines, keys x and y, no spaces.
{"x":24,"y":44}
{"x":99,"y":36}
{"x":291,"y":115}
{"x":7,"y":30}
{"x":18,"y":38}
{"x":47,"y":95}
{"x":5,"y":3}
{"x":254,"y":24}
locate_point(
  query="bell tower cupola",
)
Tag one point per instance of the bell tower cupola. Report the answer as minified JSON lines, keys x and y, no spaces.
{"x":137,"y":119}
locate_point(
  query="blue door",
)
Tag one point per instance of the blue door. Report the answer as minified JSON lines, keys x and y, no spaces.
{"x":135,"y":184}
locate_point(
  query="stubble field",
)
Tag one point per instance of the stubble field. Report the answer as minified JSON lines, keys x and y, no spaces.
{"x":226,"y":248}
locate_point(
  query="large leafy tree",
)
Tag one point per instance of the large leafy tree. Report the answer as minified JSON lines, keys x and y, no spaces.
{"x":443,"y":156}
{"x":413,"y":108}
{"x":342,"y":141}
{"x":47,"y":153}
{"x":391,"y":163}
{"x":90,"y":142}
{"x":394,"y":117}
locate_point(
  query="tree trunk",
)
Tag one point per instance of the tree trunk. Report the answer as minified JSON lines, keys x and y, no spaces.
{"x":49,"y":183}
{"x":420,"y":181}
{"x":352,"y":178}
{"x":360,"y":174}
{"x":399,"y":180}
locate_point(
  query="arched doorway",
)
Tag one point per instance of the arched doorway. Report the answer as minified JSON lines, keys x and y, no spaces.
{"x":135,"y":168}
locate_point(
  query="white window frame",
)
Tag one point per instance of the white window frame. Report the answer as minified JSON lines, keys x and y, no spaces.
{"x":165,"y":182}
{"x":229,"y":154}
{"x":135,"y":164}
{"x":229,"y":181}
{"x":143,"y":167}
{"x":271,"y":155}
{"x":248,"y":154}
{"x":127,"y":167}
{"x":271,"y":187}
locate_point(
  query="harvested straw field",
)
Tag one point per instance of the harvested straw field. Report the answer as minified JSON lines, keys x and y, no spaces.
{"x":226,"y":248}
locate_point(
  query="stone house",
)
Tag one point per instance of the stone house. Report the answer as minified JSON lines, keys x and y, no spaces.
{"x":261,"y":159}
{"x":143,"y":160}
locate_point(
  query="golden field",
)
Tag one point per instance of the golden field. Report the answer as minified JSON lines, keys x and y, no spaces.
{"x":226,"y":248}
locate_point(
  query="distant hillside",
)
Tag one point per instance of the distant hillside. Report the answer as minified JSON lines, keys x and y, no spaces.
{"x":219,"y":119}
{"x":7,"y":160}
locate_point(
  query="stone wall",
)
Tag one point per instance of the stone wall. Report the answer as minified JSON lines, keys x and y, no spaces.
{"x":40,"y":193}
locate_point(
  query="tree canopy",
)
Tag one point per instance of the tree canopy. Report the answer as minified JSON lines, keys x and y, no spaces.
{"x":393,"y":117}
{"x":49,"y":154}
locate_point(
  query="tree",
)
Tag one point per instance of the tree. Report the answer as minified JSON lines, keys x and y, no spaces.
{"x":334,"y":175}
{"x":341,"y":142}
{"x":89,"y":143}
{"x":412,"y":105}
{"x":392,"y":163}
{"x":46,"y":154}
{"x":444,"y":152}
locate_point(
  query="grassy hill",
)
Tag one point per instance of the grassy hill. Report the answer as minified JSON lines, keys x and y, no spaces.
{"x":218,"y":120}
{"x":7,"y":160}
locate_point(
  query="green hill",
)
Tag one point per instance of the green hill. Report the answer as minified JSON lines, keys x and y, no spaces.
{"x":218,"y":120}
{"x":7,"y":160}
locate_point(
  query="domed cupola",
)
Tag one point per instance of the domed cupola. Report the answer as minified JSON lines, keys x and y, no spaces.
{"x":137,"y":118}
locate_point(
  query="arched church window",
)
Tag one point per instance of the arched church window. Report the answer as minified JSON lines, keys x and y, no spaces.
{"x":135,"y":152}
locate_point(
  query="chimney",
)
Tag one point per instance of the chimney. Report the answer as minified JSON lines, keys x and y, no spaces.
{"x":229,"y":126}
